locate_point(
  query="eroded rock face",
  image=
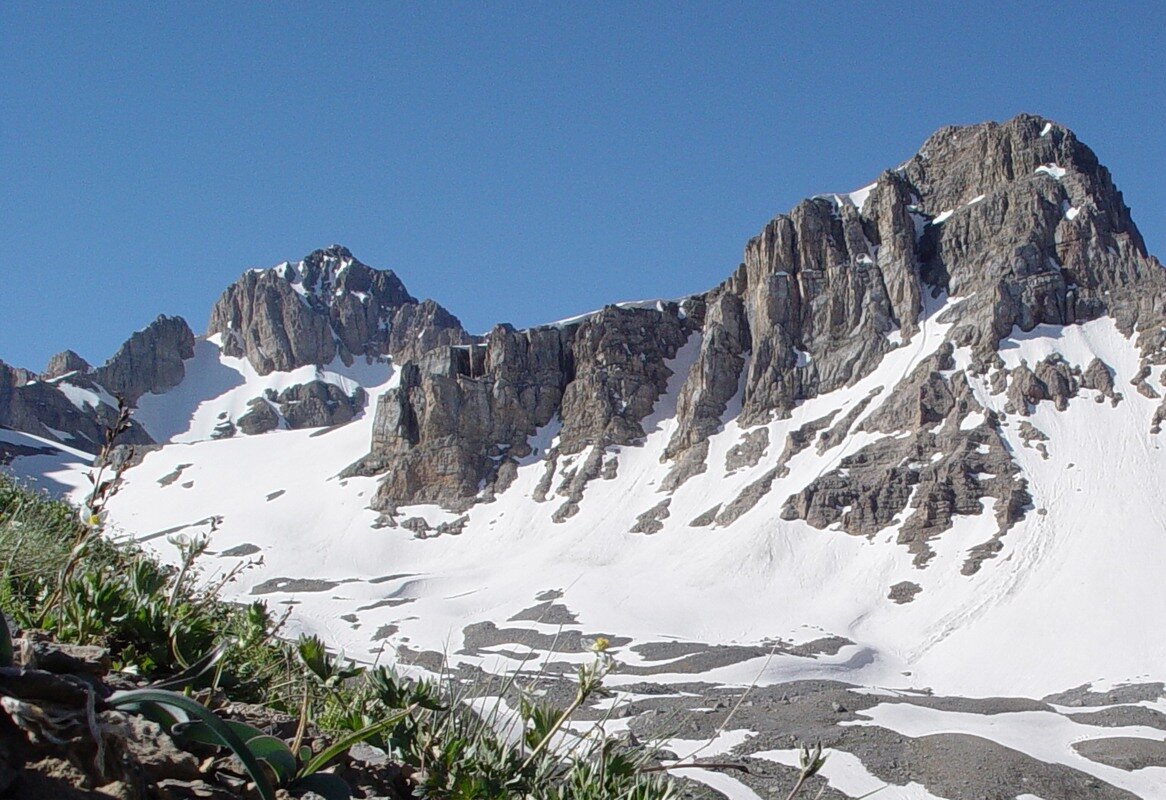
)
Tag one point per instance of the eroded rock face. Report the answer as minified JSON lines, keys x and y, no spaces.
{"x":63,"y":363}
{"x":714,"y":378}
{"x":817,"y":305}
{"x":921,"y":482}
{"x":1048,"y":241}
{"x":315,"y":404}
{"x":328,"y":305}
{"x":620,"y":372}
{"x":75,"y":404}
{"x":460,"y":414}
{"x":149,"y":361}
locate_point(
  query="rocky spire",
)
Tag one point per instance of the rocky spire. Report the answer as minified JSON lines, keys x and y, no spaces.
{"x":149,"y":361}
{"x":328,"y":305}
{"x":63,"y":363}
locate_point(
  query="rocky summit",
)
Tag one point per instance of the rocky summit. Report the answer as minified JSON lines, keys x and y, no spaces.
{"x":906,"y":461}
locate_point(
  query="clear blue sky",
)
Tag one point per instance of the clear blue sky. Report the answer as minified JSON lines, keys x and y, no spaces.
{"x":516,"y":162}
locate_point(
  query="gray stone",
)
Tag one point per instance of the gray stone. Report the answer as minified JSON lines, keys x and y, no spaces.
{"x":749,"y":451}
{"x":904,"y":592}
{"x":261,"y":417}
{"x":328,"y":305}
{"x":63,"y":363}
{"x":652,"y":520}
{"x":150,"y":361}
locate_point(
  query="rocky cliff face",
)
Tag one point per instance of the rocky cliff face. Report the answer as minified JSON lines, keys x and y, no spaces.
{"x":329,"y":305}
{"x":149,"y":361}
{"x":75,"y":404}
{"x":1017,"y":219}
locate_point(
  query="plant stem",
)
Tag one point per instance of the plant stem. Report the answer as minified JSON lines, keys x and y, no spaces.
{"x":580,"y":696}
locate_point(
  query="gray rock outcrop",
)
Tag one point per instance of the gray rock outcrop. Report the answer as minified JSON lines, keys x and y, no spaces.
{"x":149,"y":361}
{"x":315,"y":404}
{"x":75,"y":404}
{"x":329,"y":305}
{"x":461,"y":413}
{"x":63,"y":363}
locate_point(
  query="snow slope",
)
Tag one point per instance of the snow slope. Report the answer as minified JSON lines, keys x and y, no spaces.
{"x":1038,"y":618}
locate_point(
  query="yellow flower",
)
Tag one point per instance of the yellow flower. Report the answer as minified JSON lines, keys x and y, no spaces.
{"x":600,"y":644}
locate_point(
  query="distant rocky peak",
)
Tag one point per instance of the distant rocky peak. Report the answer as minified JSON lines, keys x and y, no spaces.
{"x":333,"y":272}
{"x":325,"y":306}
{"x":150,"y":361}
{"x":63,"y":363}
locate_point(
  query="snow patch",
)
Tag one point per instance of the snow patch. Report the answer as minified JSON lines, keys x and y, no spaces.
{"x":1052,"y":170}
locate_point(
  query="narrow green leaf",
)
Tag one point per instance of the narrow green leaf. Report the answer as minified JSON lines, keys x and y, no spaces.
{"x":342,"y":746}
{"x":168,"y":718}
{"x":276,"y":754}
{"x":199,"y":731}
{"x":229,"y":738}
{"x":197,"y":669}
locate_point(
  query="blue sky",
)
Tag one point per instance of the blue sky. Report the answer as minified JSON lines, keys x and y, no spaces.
{"x":517,"y":162}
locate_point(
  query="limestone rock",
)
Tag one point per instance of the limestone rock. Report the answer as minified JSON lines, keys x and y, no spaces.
{"x":459,"y":413}
{"x":942,"y":470}
{"x":63,"y":363}
{"x":40,"y":408}
{"x":904,"y":592}
{"x":652,"y":520}
{"x":315,"y":404}
{"x":1060,"y":380}
{"x":1025,"y":390}
{"x":817,"y":305}
{"x":1158,"y":418}
{"x":619,"y":359}
{"x":838,"y":433}
{"x":715,"y":375}
{"x":690,"y":463}
{"x":749,"y":451}
{"x":261,"y":417}
{"x":328,"y":305}
{"x":149,"y":361}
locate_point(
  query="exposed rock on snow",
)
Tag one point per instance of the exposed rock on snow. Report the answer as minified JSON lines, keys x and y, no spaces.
{"x":63,"y":363}
{"x":328,"y":305}
{"x":150,"y":361}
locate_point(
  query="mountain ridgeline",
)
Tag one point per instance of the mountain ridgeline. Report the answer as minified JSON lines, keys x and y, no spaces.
{"x":989,"y":229}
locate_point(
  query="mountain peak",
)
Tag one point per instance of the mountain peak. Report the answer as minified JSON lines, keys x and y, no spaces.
{"x":332,"y":251}
{"x":328,"y":305}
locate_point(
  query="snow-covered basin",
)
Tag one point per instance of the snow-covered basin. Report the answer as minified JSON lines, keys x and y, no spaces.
{"x":1069,"y":600}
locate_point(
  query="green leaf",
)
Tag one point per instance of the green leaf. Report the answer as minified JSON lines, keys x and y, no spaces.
{"x":314,"y":656}
{"x":344,"y":745}
{"x":227,"y":735}
{"x":199,"y":731}
{"x":169,"y":718}
{"x":276,"y":754}
{"x":269,"y":749}
{"x":197,"y":669}
{"x":325,"y":784}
